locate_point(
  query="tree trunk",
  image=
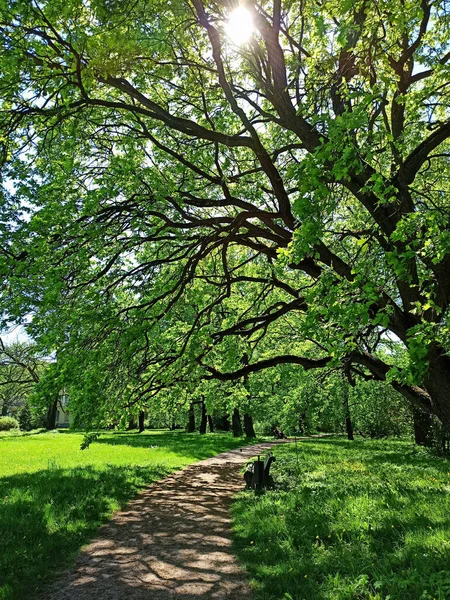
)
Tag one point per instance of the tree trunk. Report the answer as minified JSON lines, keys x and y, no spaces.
{"x":301,"y":422}
{"x":51,"y":415}
{"x":437,"y":384}
{"x":191,"y":419}
{"x":348,"y":419}
{"x":4,"y":410}
{"x":203,"y":422}
{"x":248,"y":426}
{"x":141,"y":421}
{"x":236,"y":423}
{"x":423,"y":434}
{"x":211,"y":424}
{"x":223,"y":423}
{"x":349,"y":428}
{"x":348,"y":380}
{"x":248,"y":419}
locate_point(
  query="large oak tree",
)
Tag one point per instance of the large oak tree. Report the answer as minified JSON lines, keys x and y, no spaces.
{"x":189,"y":201}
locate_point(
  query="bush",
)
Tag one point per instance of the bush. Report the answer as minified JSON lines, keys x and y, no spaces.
{"x":8,"y":423}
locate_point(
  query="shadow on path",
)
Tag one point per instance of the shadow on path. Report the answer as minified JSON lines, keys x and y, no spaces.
{"x":173,"y":540}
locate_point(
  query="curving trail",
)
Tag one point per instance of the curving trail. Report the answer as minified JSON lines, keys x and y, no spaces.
{"x":172,"y":542}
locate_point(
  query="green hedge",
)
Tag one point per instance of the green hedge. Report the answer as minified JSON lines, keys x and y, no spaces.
{"x":8,"y":423}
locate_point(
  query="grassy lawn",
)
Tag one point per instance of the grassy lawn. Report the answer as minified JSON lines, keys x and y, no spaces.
{"x":349,"y":520}
{"x":53,"y":496}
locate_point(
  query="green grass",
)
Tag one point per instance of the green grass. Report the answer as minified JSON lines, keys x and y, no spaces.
{"x":359,"y":520}
{"x":19,"y":433}
{"x":53,"y":496}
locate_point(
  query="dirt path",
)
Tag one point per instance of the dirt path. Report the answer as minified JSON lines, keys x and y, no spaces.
{"x":172,"y":541}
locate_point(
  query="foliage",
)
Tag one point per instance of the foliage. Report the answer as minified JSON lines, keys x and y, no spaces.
{"x":177,"y":208}
{"x":296,"y":401}
{"x":53,"y":495}
{"x":20,"y":369}
{"x":8,"y":423}
{"x":300,"y":403}
{"x":378,"y":411}
{"x":364,"y":519}
{"x":89,"y":437}
{"x":26,"y":418}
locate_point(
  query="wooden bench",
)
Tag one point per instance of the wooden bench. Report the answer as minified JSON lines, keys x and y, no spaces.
{"x":257,"y":475}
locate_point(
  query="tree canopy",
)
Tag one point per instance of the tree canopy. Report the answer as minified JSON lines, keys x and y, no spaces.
{"x":20,"y":370}
{"x":181,"y":207}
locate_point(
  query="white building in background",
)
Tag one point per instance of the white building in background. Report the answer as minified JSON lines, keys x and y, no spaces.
{"x":63,"y":418}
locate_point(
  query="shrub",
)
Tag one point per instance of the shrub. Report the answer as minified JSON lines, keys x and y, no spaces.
{"x":7,"y":423}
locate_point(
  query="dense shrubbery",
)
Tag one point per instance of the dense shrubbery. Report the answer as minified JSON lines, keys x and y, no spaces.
{"x":302,"y":403}
{"x":296,"y":401}
{"x":8,"y":423}
{"x":379,"y":411}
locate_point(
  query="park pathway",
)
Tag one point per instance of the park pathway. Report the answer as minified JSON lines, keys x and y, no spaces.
{"x":172,"y":542}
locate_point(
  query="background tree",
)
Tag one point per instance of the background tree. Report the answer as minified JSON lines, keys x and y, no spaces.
{"x":26,"y":418}
{"x":21,"y":367}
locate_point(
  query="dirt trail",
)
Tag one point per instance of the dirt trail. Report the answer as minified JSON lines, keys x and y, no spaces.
{"x":172,"y":541}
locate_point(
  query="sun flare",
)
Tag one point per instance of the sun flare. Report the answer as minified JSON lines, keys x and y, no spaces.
{"x":239,"y":26}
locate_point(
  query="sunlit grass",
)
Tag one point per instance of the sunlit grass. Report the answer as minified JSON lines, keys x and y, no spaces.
{"x":53,"y":496}
{"x":350,"y":520}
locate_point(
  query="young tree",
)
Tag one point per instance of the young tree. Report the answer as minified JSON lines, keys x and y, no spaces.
{"x":162,"y":168}
{"x":26,"y":418}
{"x":21,"y":367}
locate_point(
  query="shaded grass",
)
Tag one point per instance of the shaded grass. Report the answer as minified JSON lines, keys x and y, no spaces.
{"x":193,"y":446}
{"x":365,"y":520}
{"x":53,"y":496}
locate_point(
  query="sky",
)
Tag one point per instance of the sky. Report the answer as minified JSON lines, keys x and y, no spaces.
{"x":16,"y":333}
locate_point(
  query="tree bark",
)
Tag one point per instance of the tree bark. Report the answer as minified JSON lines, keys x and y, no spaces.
{"x":348,"y":419}
{"x":141,"y":421}
{"x":437,"y":384}
{"x":191,"y":419}
{"x":248,"y":426}
{"x":203,"y":422}
{"x":248,"y":419}
{"x":423,"y":434}
{"x":211,"y":424}
{"x":236,"y":423}
{"x":223,"y":423}
{"x":51,"y":415}
{"x":301,"y":422}
{"x":349,"y":428}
